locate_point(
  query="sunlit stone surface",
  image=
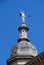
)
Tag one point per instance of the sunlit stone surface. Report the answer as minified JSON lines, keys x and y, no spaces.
{"x":23,"y":48}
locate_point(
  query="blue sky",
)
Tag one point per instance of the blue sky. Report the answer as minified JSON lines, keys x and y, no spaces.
{"x":10,"y":21}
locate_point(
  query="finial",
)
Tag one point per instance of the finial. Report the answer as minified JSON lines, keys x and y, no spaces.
{"x":23,"y":16}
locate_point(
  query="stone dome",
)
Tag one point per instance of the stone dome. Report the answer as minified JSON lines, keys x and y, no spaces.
{"x":23,"y":48}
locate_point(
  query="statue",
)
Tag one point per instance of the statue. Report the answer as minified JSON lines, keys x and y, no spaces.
{"x":23,"y":16}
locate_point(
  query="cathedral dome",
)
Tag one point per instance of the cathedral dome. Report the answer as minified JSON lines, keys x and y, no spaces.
{"x":23,"y":48}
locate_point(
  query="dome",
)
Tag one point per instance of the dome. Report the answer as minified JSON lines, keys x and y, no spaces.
{"x":23,"y":48}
